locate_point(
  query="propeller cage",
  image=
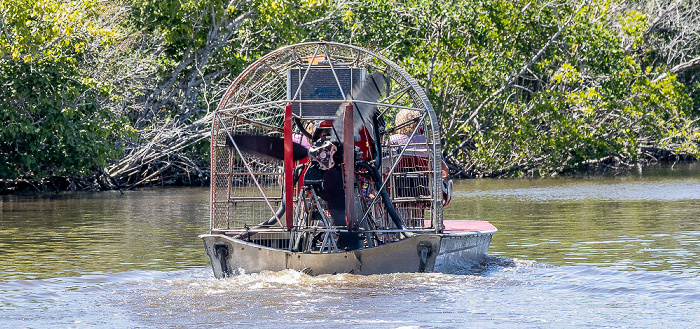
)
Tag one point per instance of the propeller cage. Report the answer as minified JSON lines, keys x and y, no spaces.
{"x":317,"y":79}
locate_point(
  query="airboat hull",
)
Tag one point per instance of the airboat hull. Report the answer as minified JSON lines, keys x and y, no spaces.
{"x":428,"y":252}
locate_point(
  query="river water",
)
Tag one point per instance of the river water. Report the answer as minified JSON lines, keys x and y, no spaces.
{"x":619,"y":252}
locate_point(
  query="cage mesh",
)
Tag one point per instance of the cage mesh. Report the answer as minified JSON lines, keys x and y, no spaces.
{"x":254,"y":104}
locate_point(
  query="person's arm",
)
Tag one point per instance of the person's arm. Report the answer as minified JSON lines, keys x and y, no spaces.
{"x":445,"y":170}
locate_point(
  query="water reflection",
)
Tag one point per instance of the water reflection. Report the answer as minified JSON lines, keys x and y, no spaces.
{"x":613,"y":252}
{"x":75,"y":234}
{"x":626,"y":223}
{"x":674,"y":190}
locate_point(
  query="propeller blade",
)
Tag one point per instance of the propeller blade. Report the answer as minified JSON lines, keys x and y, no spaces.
{"x":370,"y":91}
{"x":267,"y":147}
{"x":333,"y":193}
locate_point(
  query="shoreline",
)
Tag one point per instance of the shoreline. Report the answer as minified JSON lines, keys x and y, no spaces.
{"x":56,"y":185}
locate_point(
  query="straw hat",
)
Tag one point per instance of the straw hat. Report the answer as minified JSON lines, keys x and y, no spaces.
{"x":404,"y":116}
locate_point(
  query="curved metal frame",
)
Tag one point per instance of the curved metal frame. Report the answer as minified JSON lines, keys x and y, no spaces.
{"x":409,"y":86}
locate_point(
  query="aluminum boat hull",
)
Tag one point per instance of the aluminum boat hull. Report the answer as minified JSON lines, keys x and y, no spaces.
{"x":428,"y":252}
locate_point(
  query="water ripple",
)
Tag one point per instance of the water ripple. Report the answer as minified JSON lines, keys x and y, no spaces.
{"x":671,"y":190}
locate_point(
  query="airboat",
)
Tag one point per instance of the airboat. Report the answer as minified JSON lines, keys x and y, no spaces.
{"x":325,"y":158}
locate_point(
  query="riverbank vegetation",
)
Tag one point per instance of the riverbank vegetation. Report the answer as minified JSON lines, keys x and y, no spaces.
{"x":113,"y":94}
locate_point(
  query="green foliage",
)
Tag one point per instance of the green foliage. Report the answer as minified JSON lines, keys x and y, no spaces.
{"x":47,"y":30}
{"x":264,"y":25}
{"x":179,"y":22}
{"x":52,"y":118}
{"x":583,"y":101}
{"x":203,"y":39}
{"x":594,"y":93}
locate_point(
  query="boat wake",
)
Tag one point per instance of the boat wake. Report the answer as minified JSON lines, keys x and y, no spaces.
{"x":193,"y":297}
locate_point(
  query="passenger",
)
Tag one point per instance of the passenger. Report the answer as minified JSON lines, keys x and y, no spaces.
{"x":301,"y":139}
{"x":416,"y":146}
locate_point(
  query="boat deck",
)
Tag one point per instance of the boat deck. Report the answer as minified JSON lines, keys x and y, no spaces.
{"x":451,"y":227}
{"x":467,"y":226}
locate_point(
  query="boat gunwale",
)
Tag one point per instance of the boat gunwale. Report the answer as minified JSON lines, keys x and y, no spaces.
{"x":340,"y":251}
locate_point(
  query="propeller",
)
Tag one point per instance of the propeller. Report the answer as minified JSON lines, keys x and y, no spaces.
{"x":266,"y":147}
{"x":370,"y":92}
{"x":269,"y":147}
{"x":325,"y":152}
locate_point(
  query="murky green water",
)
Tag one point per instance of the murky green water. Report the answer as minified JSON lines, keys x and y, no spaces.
{"x":75,"y":234}
{"x":627,"y":223}
{"x":597,"y":252}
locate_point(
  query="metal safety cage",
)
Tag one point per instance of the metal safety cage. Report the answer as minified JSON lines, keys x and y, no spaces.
{"x":316,"y":79}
